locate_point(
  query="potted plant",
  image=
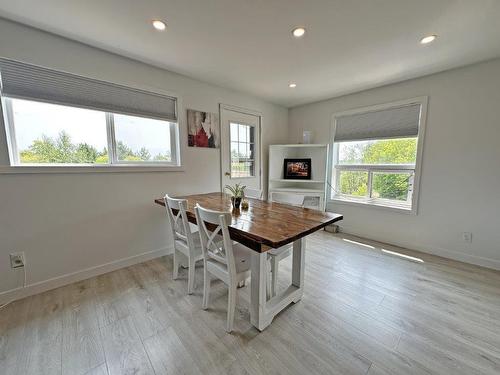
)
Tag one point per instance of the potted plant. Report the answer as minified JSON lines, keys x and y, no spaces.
{"x":237,"y":193}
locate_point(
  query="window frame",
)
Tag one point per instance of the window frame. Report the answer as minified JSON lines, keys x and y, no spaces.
{"x":334,"y":168}
{"x":114,"y":165}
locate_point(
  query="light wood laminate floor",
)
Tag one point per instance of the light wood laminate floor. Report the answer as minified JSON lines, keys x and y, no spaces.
{"x":364,"y":311}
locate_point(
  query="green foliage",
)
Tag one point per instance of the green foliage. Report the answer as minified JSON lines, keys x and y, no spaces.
{"x":385,"y":185}
{"x":353,"y":183}
{"x":391,"y":151}
{"x":102,"y":159}
{"x":62,"y":151}
{"x":144,"y":154}
{"x":125,"y":153}
{"x":162,"y":157}
{"x":390,"y":186}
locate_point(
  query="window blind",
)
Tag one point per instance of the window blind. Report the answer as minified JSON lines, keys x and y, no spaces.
{"x":26,"y":81}
{"x":386,"y":123}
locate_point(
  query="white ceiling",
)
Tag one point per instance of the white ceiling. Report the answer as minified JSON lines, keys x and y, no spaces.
{"x":350,"y":45}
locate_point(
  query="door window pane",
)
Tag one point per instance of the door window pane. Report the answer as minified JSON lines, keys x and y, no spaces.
{"x":234,"y":132}
{"x":234,"y":150}
{"x":142,"y":139}
{"x":242,"y":149}
{"x":353,"y":183}
{"x":242,"y":168}
{"x":396,"y":186}
{"x":56,"y":134}
{"x":243,"y":133}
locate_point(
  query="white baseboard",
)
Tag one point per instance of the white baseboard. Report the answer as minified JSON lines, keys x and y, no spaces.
{"x":461,"y":257}
{"x":429,"y":249}
{"x":56,"y":282}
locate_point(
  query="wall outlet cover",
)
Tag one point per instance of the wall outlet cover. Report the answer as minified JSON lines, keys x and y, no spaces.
{"x":17,"y":260}
{"x":467,"y":236}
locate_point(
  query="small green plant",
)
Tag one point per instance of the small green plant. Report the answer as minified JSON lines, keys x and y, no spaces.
{"x":237,"y":190}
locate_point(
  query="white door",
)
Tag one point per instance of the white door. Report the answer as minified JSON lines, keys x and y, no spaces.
{"x":240,"y":148}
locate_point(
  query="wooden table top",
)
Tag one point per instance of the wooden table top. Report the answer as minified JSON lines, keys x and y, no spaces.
{"x":264,"y":225}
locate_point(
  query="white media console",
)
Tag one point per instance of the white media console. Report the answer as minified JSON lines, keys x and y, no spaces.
{"x":313,"y":190}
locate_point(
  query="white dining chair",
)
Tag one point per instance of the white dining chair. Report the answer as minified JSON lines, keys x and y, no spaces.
{"x":225,"y":260}
{"x":276,"y":255}
{"x":253,"y":193}
{"x":186,"y":242}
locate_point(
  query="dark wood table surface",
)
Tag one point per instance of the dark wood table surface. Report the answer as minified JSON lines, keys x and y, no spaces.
{"x":264,"y":225}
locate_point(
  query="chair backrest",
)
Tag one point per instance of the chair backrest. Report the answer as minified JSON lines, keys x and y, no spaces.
{"x":287,"y":198}
{"x":212,"y":248}
{"x":178,"y":220}
{"x":253,"y":193}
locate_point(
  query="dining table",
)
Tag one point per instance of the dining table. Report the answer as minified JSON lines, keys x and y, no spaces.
{"x":263,"y":226}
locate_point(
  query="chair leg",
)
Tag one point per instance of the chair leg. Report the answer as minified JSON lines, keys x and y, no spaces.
{"x":191,"y":270}
{"x":274,"y":270}
{"x":231,"y":306}
{"x":206,"y":288}
{"x":175,"y":273}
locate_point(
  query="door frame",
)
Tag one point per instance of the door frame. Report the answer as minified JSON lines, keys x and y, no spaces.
{"x":244,"y":111}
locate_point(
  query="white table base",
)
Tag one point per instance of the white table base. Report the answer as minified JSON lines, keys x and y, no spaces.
{"x":262,"y":312}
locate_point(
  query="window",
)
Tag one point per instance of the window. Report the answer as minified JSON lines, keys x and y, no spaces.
{"x":376,"y":154}
{"x":54,"y":118}
{"x":52,"y":134}
{"x":141,"y":139}
{"x":55,"y":134}
{"x":242,"y":150}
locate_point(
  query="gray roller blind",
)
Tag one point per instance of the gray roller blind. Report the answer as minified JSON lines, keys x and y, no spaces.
{"x":26,"y":81}
{"x":387,"y":123}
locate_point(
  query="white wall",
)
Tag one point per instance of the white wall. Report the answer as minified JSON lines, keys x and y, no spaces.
{"x":460,"y":182}
{"x":66,"y":223}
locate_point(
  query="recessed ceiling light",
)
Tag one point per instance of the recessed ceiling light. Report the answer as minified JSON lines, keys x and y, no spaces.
{"x":292,"y":85}
{"x":159,"y":25}
{"x":428,"y":39}
{"x":298,"y":32}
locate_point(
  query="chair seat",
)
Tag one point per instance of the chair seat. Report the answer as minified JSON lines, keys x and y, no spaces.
{"x":241,"y":259}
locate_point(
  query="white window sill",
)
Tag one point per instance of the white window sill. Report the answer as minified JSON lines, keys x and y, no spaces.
{"x":374,"y":203}
{"x":85,"y":168}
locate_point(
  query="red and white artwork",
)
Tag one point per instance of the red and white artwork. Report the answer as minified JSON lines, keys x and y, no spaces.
{"x":203,"y":129}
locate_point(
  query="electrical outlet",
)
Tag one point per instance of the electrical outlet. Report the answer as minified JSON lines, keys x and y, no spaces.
{"x":332,"y":228}
{"x":17,"y":260}
{"x":467,"y":236}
